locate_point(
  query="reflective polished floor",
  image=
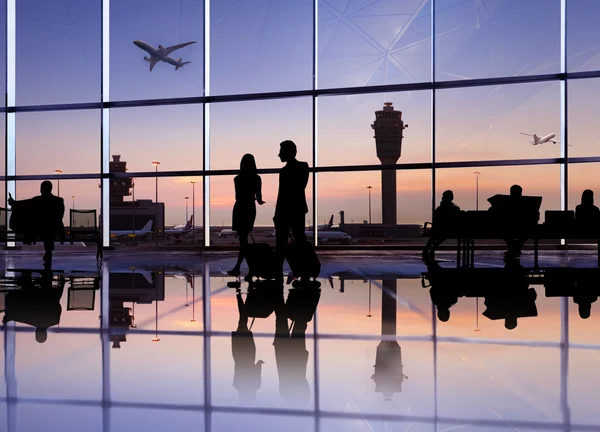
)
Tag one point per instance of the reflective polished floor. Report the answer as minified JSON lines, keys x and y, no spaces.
{"x":157,"y":342}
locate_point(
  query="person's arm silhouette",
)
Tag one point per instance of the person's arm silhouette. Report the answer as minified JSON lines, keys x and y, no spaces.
{"x":259,"y":199}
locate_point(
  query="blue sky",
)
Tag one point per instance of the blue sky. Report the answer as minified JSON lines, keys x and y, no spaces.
{"x":259,"y":46}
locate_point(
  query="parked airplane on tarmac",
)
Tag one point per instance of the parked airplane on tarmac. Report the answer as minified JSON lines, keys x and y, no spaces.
{"x":181,"y":229}
{"x":162,"y":54}
{"x":132,"y":233}
{"x":327,"y":236}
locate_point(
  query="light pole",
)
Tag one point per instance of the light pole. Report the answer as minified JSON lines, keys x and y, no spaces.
{"x":477,"y":329}
{"x":186,"y":209}
{"x":156,"y":164}
{"x":193,"y":182}
{"x":369,"y":187}
{"x":477,"y":173}
{"x":59,"y":172}
{"x":73,"y":205}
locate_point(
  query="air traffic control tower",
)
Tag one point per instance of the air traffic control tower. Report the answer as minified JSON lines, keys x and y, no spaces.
{"x":388,"y":128}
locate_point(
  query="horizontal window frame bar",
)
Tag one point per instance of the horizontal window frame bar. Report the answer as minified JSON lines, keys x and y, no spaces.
{"x":321,"y":169}
{"x":335,"y":91}
{"x":296,"y":412}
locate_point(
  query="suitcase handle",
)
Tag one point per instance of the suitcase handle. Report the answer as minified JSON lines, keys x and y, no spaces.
{"x":252,"y":237}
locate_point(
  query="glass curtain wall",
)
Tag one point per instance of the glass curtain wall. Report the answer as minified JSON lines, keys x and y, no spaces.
{"x":470,"y":92}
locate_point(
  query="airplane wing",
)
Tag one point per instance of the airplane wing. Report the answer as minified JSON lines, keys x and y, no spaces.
{"x":152,"y":62}
{"x":170,"y":49}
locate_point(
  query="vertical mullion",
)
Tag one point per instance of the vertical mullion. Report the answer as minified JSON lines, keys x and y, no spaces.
{"x":105,"y":125}
{"x":206,"y":125}
{"x":315,"y":83}
{"x":433,"y":118}
{"x":10,"y":98}
{"x":564,"y":136}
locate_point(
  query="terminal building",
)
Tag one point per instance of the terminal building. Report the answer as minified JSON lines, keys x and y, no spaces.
{"x":131,"y":214}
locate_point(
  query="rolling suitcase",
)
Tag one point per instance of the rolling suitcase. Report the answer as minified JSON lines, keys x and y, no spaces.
{"x":261,"y":260}
{"x":303,"y":260}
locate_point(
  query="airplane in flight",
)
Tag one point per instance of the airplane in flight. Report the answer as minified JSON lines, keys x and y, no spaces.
{"x":181,"y":229}
{"x":132,"y":233}
{"x":541,"y":140}
{"x":162,"y":54}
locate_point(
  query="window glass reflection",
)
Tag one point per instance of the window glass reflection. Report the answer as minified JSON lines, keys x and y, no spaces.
{"x":374,"y":43}
{"x":259,"y":46}
{"x":495,"y":38}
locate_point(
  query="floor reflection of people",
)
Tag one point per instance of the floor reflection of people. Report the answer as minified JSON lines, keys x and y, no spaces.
{"x":35,"y":303}
{"x":247,"y":371}
{"x":510,"y":297}
{"x":443,"y":291}
{"x":291,"y":354}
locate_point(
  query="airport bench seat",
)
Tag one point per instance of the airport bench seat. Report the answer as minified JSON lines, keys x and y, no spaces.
{"x":82,"y":228}
{"x":481,"y":225}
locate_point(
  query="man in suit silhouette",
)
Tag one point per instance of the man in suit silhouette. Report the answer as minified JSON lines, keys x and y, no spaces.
{"x":40,"y":216}
{"x":291,"y":207}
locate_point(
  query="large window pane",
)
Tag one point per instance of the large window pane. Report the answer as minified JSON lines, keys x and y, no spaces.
{"x":137,"y":218}
{"x":167,"y":24}
{"x":583,"y":41}
{"x":374,"y":43}
{"x":346,"y":135}
{"x":583,"y":118}
{"x":485,"y":123}
{"x":258,"y":127}
{"x":349,"y":192}
{"x":492,"y":38}
{"x":58,"y":140}
{"x":259,"y":46}
{"x":222,"y":199}
{"x":536,"y":180}
{"x":58,"y":51}
{"x":171,"y":135}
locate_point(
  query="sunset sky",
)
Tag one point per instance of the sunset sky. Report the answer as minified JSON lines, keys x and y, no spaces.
{"x":259,"y":46}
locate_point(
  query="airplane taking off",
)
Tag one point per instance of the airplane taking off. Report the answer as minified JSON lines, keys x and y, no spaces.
{"x":162,"y":54}
{"x":132,"y":233}
{"x":541,"y":140}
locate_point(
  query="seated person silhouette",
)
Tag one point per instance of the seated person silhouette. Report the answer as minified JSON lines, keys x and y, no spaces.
{"x":37,"y":306}
{"x":445,"y":216}
{"x":247,"y":372}
{"x":291,"y":354}
{"x":443,"y":292}
{"x":510,"y":297}
{"x":584,"y":296}
{"x":516,"y":217}
{"x":587,"y":215}
{"x":39,"y":217}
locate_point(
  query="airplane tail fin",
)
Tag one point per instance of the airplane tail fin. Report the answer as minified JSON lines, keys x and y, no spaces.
{"x":181,"y":64}
{"x":147,"y":227}
{"x":536,"y":138}
{"x":189,"y":223}
{"x":330,"y":223}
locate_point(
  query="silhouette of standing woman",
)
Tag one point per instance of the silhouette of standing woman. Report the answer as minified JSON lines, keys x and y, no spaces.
{"x":248,"y":188}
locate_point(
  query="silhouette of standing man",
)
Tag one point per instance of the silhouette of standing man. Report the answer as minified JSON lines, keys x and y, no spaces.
{"x":40,"y":216}
{"x":291,"y":208}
